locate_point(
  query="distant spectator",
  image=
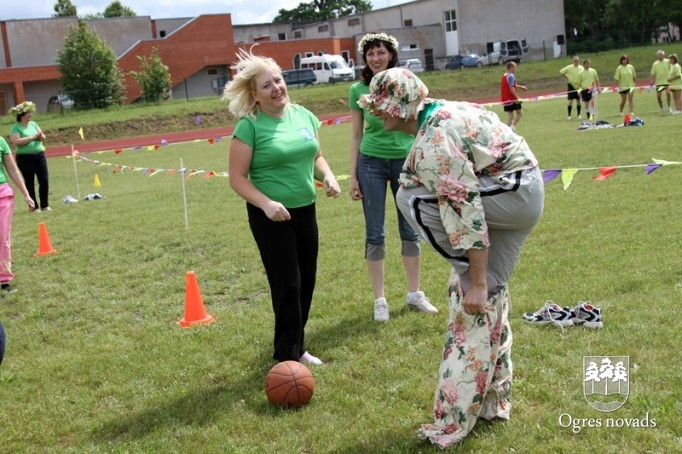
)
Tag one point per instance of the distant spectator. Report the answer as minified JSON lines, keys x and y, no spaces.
{"x":675,"y":79}
{"x":572,"y":72}
{"x":627,"y":83}
{"x":659,"y":77}
{"x":510,"y":96}
{"x":589,"y":87}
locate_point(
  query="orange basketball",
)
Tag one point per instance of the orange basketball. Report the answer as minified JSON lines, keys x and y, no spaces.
{"x":289,"y":384}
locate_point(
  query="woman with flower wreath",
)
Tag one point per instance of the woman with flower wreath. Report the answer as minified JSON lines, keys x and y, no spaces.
{"x":28,"y":139}
{"x":377,"y":157}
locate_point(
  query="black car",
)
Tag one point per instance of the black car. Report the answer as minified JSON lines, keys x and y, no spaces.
{"x":455,"y":62}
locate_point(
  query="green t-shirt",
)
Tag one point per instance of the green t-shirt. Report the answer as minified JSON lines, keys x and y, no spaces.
{"x":660,"y":70}
{"x":376,"y":141}
{"x":284,"y":150}
{"x":31,"y":129}
{"x":675,"y":71}
{"x":588,"y":78}
{"x":572,"y":72}
{"x":4,"y":150}
{"x":625,"y":75}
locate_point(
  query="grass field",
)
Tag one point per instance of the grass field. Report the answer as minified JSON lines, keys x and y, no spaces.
{"x":96,"y":363}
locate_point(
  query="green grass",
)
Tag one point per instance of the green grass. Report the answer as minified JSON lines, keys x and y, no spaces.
{"x":96,"y":363}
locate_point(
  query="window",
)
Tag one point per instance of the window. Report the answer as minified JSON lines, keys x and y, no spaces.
{"x":281,"y":37}
{"x":407,"y":23}
{"x":323,"y":28}
{"x":354,"y":21}
{"x":298,"y":34}
{"x":450,"y":18}
{"x":212,"y":71}
{"x":162,"y":33}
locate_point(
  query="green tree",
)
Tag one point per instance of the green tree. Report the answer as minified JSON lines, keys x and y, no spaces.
{"x":116,"y":9}
{"x":89,"y":73}
{"x":153,"y":78}
{"x":64,"y":8}
{"x":322,"y":10}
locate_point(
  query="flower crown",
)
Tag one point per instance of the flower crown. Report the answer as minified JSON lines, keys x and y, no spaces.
{"x":24,"y":107}
{"x":377,"y":36}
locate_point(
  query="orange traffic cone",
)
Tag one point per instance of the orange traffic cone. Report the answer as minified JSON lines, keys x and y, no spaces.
{"x":195,"y":313}
{"x":44,"y":243}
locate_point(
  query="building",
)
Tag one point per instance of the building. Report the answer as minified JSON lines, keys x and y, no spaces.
{"x":199,"y":51}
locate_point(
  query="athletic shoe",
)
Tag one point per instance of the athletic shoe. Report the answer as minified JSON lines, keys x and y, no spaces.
{"x":550,"y":313}
{"x":670,"y":109}
{"x":580,"y":117}
{"x":587,"y":315}
{"x":381,"y":310}
{"x":421,"y":303}
{"x":5,"y":287}
{"x":307,"y":358}
{"x":569,"y":117}
{"x":47,"y":209}
{"x":36,"y":210}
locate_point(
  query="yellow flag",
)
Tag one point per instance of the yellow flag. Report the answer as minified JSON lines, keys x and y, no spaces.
{"x":80,"y":133}
{"x":97,"y":184}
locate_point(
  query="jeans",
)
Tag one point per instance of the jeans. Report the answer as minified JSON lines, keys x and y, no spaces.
{"x":373,"y":173}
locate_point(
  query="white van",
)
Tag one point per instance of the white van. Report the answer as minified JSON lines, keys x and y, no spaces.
{"x":501,"y":52}
{"x":328,"y":68}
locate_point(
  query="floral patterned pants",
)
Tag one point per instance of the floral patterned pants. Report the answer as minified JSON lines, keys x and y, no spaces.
{"x":475,"y":373}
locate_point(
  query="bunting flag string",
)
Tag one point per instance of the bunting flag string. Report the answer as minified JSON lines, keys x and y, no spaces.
{"x":563,"y":94}
{"x":604,"y":172}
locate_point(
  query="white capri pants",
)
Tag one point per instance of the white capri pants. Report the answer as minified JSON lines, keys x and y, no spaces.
{"x":512,"y":203}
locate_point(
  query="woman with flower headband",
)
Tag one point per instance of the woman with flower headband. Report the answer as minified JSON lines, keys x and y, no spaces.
{"x":8,"y":170}
{"x":377,"y":157}
{"x":28,"y":139}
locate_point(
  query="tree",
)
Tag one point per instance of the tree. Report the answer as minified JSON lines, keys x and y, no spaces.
{"x":116,"y":9}
{"x":90,"y":75}
{"x":64,"y":8}
{"x":319,"y":10}
{"x":154,"y":78}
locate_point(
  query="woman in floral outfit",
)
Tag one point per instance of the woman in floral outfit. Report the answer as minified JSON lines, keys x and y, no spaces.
{"x":473,"y":190}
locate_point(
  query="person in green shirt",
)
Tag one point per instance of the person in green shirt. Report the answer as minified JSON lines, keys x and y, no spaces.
{"x":571,"y":72}
{"x":675,"y":80}
{"x":588,"y":80}
{"x":659,"y":78}
{"x":28,"y":139}
{"x":8,"y":170}
{"x":275,"y":159}
{"x":377,"y":156}
{"x":627,"y":84}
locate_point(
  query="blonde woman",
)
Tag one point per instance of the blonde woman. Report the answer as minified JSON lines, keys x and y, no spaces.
{"x":274,"y":161}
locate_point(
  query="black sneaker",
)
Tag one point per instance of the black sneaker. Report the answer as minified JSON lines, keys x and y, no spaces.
{"x":587,"y":315}
{"x":550,"y":313}
{"x":5,"y":287}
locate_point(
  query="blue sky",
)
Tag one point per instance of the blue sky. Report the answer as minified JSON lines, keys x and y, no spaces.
{"x":242,"y":11}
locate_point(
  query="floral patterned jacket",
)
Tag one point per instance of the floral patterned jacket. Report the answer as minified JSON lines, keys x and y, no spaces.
{"x":456,"y":144}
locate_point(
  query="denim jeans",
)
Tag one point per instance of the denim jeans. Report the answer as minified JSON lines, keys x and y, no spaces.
{"x":373,"y":174}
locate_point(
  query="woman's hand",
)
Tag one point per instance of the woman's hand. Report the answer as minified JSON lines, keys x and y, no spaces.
{"x":275,"y":211}
{"x":354,"y":189}
{"x":31,"y":204}
{"x":331,"y":187}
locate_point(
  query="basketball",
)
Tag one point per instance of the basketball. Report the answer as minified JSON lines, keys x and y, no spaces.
{"x":289,"y":384}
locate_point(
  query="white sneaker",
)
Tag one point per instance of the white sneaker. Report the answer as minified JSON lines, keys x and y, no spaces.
{"x":580,"y":117}
{"x":421,"y":303}
{"x":569,"y":117}
{"x":670,"y":109}
{"x":310,"y":359}
{"x":381,"y":310}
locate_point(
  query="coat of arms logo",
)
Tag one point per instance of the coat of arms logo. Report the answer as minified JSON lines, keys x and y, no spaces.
{"x":606,"y":381}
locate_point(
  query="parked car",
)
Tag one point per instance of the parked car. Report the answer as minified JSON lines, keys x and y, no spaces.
{"x":59,"y":102}
{"x":299,"y":77}
{"x":471,"y":61}
{"x":454,"y":63}
{"x":413,"y":64}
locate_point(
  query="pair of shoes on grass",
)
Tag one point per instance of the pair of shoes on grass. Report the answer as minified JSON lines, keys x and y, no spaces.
{"x":584,"y":314}
{"x":415,"y":300}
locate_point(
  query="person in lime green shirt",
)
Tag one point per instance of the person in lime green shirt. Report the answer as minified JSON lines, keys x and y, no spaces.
{"x":627,"y":83}
{"x":8,"y":170}
{"x":659,"y":77}
{"x":588,"y":80}
{"x":28,"y":139}
{"x":572,"y":72}
{"x":675,"y":79}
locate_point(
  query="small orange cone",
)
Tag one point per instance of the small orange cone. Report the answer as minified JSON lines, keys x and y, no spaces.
{"x":195,"y":313}
{"x":44,"y":243}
